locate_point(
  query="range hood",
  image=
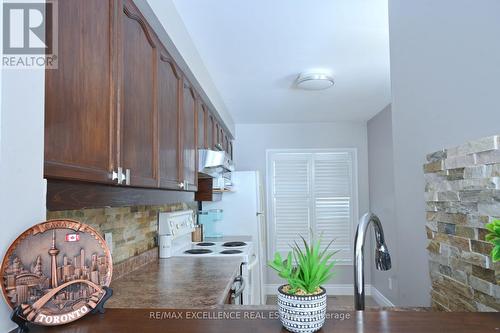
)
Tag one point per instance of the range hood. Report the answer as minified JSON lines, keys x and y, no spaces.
{"x":213,"y":163}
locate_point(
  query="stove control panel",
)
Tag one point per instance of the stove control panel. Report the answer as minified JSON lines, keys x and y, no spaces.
{"x":176,"y":224}
{"x":174,"y":231}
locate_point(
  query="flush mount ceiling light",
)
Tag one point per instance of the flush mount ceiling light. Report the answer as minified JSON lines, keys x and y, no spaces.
{"x":315,"y":80}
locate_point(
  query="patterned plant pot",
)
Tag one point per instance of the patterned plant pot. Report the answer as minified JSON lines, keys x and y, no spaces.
{"x":302,"y":314}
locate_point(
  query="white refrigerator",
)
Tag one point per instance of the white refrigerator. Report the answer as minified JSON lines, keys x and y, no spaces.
{"x":243,"y":215}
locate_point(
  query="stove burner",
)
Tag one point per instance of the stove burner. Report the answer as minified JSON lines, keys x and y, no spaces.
{"x":205,"y":244}
{"x":234,"y":244}
{"x":198,"y":251}
{"x":231,"y":251}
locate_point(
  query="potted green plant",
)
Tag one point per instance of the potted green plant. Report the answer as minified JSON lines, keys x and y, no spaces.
{"x":302,"y":301}
{"x":494,"y":238}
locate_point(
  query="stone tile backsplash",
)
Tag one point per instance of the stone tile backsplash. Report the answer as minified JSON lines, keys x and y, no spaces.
{"x":134,"y":229}
{"x":462,"y":193}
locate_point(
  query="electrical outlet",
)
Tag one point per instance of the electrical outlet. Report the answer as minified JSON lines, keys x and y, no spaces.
{"x":108,"y":237}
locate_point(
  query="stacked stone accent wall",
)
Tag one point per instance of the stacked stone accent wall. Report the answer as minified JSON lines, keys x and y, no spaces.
{"x":134,"y":229}
{"x":463,"y":194}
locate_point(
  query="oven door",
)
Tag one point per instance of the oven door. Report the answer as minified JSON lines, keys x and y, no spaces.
{"x":237,"y":290}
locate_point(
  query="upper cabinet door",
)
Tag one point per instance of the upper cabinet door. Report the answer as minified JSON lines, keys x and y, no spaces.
{"x":221,"y":137}
{"x":189,"y":133}
{"x":80,"y":117}
{"x":202,"y":126}
{"x":138,"y":130}
{"x":169,"y":90}
{"x":210,"y":131}
{"x":226,"y":143}
{"x":216,"y":134}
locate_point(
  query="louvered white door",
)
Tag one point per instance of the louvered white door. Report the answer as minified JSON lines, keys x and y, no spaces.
{"x":311,"y":191}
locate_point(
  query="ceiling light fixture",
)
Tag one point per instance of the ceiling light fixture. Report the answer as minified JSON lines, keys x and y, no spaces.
{"x":315,"y":80}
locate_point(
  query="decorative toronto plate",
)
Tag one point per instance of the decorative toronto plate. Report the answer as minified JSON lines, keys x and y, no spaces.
{"x":55,"y":272}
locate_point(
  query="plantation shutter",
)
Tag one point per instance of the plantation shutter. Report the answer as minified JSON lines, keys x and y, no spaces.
{"x":291,"y":196}
{"x":311,"y":191}
{"x":332,"y":195}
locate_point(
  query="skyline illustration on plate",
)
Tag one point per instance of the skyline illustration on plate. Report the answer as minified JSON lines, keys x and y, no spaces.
{"x":56,"y":271}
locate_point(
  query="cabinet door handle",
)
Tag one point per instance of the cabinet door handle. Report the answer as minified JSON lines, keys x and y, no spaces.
{"x":127,"y":177}
{"x":186,"y":185}
{"x":121,"y":176}
{"x":118,"y":175}
{"x":114,"y":175}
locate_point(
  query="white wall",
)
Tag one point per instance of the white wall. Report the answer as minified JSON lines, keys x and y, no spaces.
{"x":445,"y":72}
{"x":178,"y":38}
{"x":382,"y":199}
{"x":252,"y":140}
{"x":22,"y":187}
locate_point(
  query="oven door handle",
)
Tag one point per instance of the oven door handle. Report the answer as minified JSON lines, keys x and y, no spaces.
{"x":236,"y":293}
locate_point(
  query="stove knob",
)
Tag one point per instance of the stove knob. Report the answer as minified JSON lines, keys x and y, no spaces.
{"x":177,"y":226}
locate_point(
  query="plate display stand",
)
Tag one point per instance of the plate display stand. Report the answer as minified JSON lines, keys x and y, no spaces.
{"x":108,"y":292}
{"x":22,"y":323}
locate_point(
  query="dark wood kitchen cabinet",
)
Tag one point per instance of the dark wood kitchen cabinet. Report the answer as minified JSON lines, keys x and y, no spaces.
{"x":119,"y":102}
{"x":221,"y":141}
{"x":202,"y":126}
{"x":216,"y":134}
{"x":222,"y":138}
{"x":80,"y":98}
{"x":226,"y":143}
{"x":210,"y":131}
{"x":100,"y":109}
{"x":169,"y":88}
{"x":138,"y":122}
{"x":188,"y":148}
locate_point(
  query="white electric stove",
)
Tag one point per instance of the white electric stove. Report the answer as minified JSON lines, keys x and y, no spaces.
{"x":174,"y":230}
{"x":219,"y":249}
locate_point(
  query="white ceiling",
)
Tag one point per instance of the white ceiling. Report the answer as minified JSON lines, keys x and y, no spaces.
{"x":254,"y":50}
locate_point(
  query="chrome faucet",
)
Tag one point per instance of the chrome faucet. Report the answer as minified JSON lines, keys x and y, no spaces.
{"x":382,"y":257}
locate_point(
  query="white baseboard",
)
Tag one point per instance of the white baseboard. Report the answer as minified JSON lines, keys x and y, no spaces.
{"x":380,"y":298}
{"x":331,"y":289}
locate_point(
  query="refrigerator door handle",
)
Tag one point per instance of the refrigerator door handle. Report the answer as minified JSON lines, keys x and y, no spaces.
{"x":252,"y":264}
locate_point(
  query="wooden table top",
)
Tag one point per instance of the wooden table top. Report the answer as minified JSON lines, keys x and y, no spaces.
{"x":186,"y":321}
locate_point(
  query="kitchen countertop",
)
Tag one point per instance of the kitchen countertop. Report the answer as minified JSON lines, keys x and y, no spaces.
{"x":191,"y":283}
{"x":186,"y":321}
{"x":180,"y":282}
